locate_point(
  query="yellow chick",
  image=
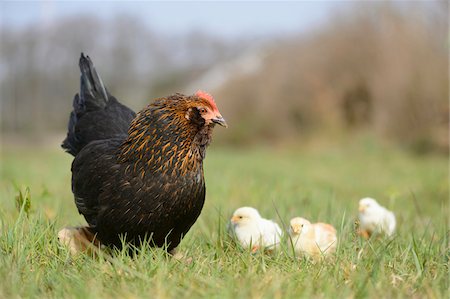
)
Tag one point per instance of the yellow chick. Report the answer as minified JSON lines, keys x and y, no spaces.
{"x":314,"y":240}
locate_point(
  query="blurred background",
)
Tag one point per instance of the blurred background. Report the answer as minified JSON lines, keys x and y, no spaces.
{"x":327,"y":103}
{"x":281,"y":72}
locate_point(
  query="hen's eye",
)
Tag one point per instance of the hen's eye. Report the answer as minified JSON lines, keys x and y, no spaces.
{"x":202,"y":110}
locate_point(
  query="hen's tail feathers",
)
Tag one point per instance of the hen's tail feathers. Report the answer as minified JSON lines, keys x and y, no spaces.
{"x":92,"y":90}
{"x":96,"y":114}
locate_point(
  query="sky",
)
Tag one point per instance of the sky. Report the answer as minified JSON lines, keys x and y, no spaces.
{"x":227,"y":19}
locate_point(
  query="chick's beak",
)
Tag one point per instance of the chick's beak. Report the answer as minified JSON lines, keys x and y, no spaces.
{"x":234,"y":219}
{"x":296,"y":228}
{"x":220,"y":121}
{"x":361,"y":209}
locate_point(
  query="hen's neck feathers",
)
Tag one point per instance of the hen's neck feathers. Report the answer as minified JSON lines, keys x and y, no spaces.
{"x":161,"y":139}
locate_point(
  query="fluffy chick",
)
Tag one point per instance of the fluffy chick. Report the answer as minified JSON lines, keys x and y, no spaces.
{"x":314,"y":240}
{"x":375,"y":219}
{"x":253,"y":231}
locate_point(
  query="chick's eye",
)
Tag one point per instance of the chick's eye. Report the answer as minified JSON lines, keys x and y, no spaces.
{"x":240,"y":217}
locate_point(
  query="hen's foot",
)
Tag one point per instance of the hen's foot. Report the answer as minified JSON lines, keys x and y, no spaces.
{"x":79,"y":239}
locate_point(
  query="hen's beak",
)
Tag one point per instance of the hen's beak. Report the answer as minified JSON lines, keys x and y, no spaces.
{"x":220,"y":121}
{"x":234,"y":219}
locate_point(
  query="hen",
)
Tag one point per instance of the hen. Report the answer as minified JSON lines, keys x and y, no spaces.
{"x":137,"y":176}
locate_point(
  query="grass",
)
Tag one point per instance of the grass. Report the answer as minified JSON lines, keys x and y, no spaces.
{"x":322,"y":184}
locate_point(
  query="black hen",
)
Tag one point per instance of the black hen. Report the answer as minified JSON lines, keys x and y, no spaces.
{"x":138,"y":176}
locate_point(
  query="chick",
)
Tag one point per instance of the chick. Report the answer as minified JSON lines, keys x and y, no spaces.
{"x":314,"y":240}
{"x":375,"y":219}
{"x":253,"y":231}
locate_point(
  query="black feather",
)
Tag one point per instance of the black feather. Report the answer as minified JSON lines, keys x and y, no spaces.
{"x":96,"y":114}
{"x":91,"y":83}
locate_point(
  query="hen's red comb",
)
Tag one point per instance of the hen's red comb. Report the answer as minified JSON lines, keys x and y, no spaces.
{"x":204,"y":95}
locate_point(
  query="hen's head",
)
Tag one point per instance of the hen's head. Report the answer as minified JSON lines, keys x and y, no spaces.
{"x":196,"y":111}
{"x":171,"y":129}
{"x":203,"y":105}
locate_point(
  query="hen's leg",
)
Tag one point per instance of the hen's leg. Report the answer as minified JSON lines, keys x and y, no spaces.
{"x":78,"y":239}
{"x":177,"y":255}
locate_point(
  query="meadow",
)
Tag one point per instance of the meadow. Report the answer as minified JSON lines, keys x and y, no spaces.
{"x":318,"y":182}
